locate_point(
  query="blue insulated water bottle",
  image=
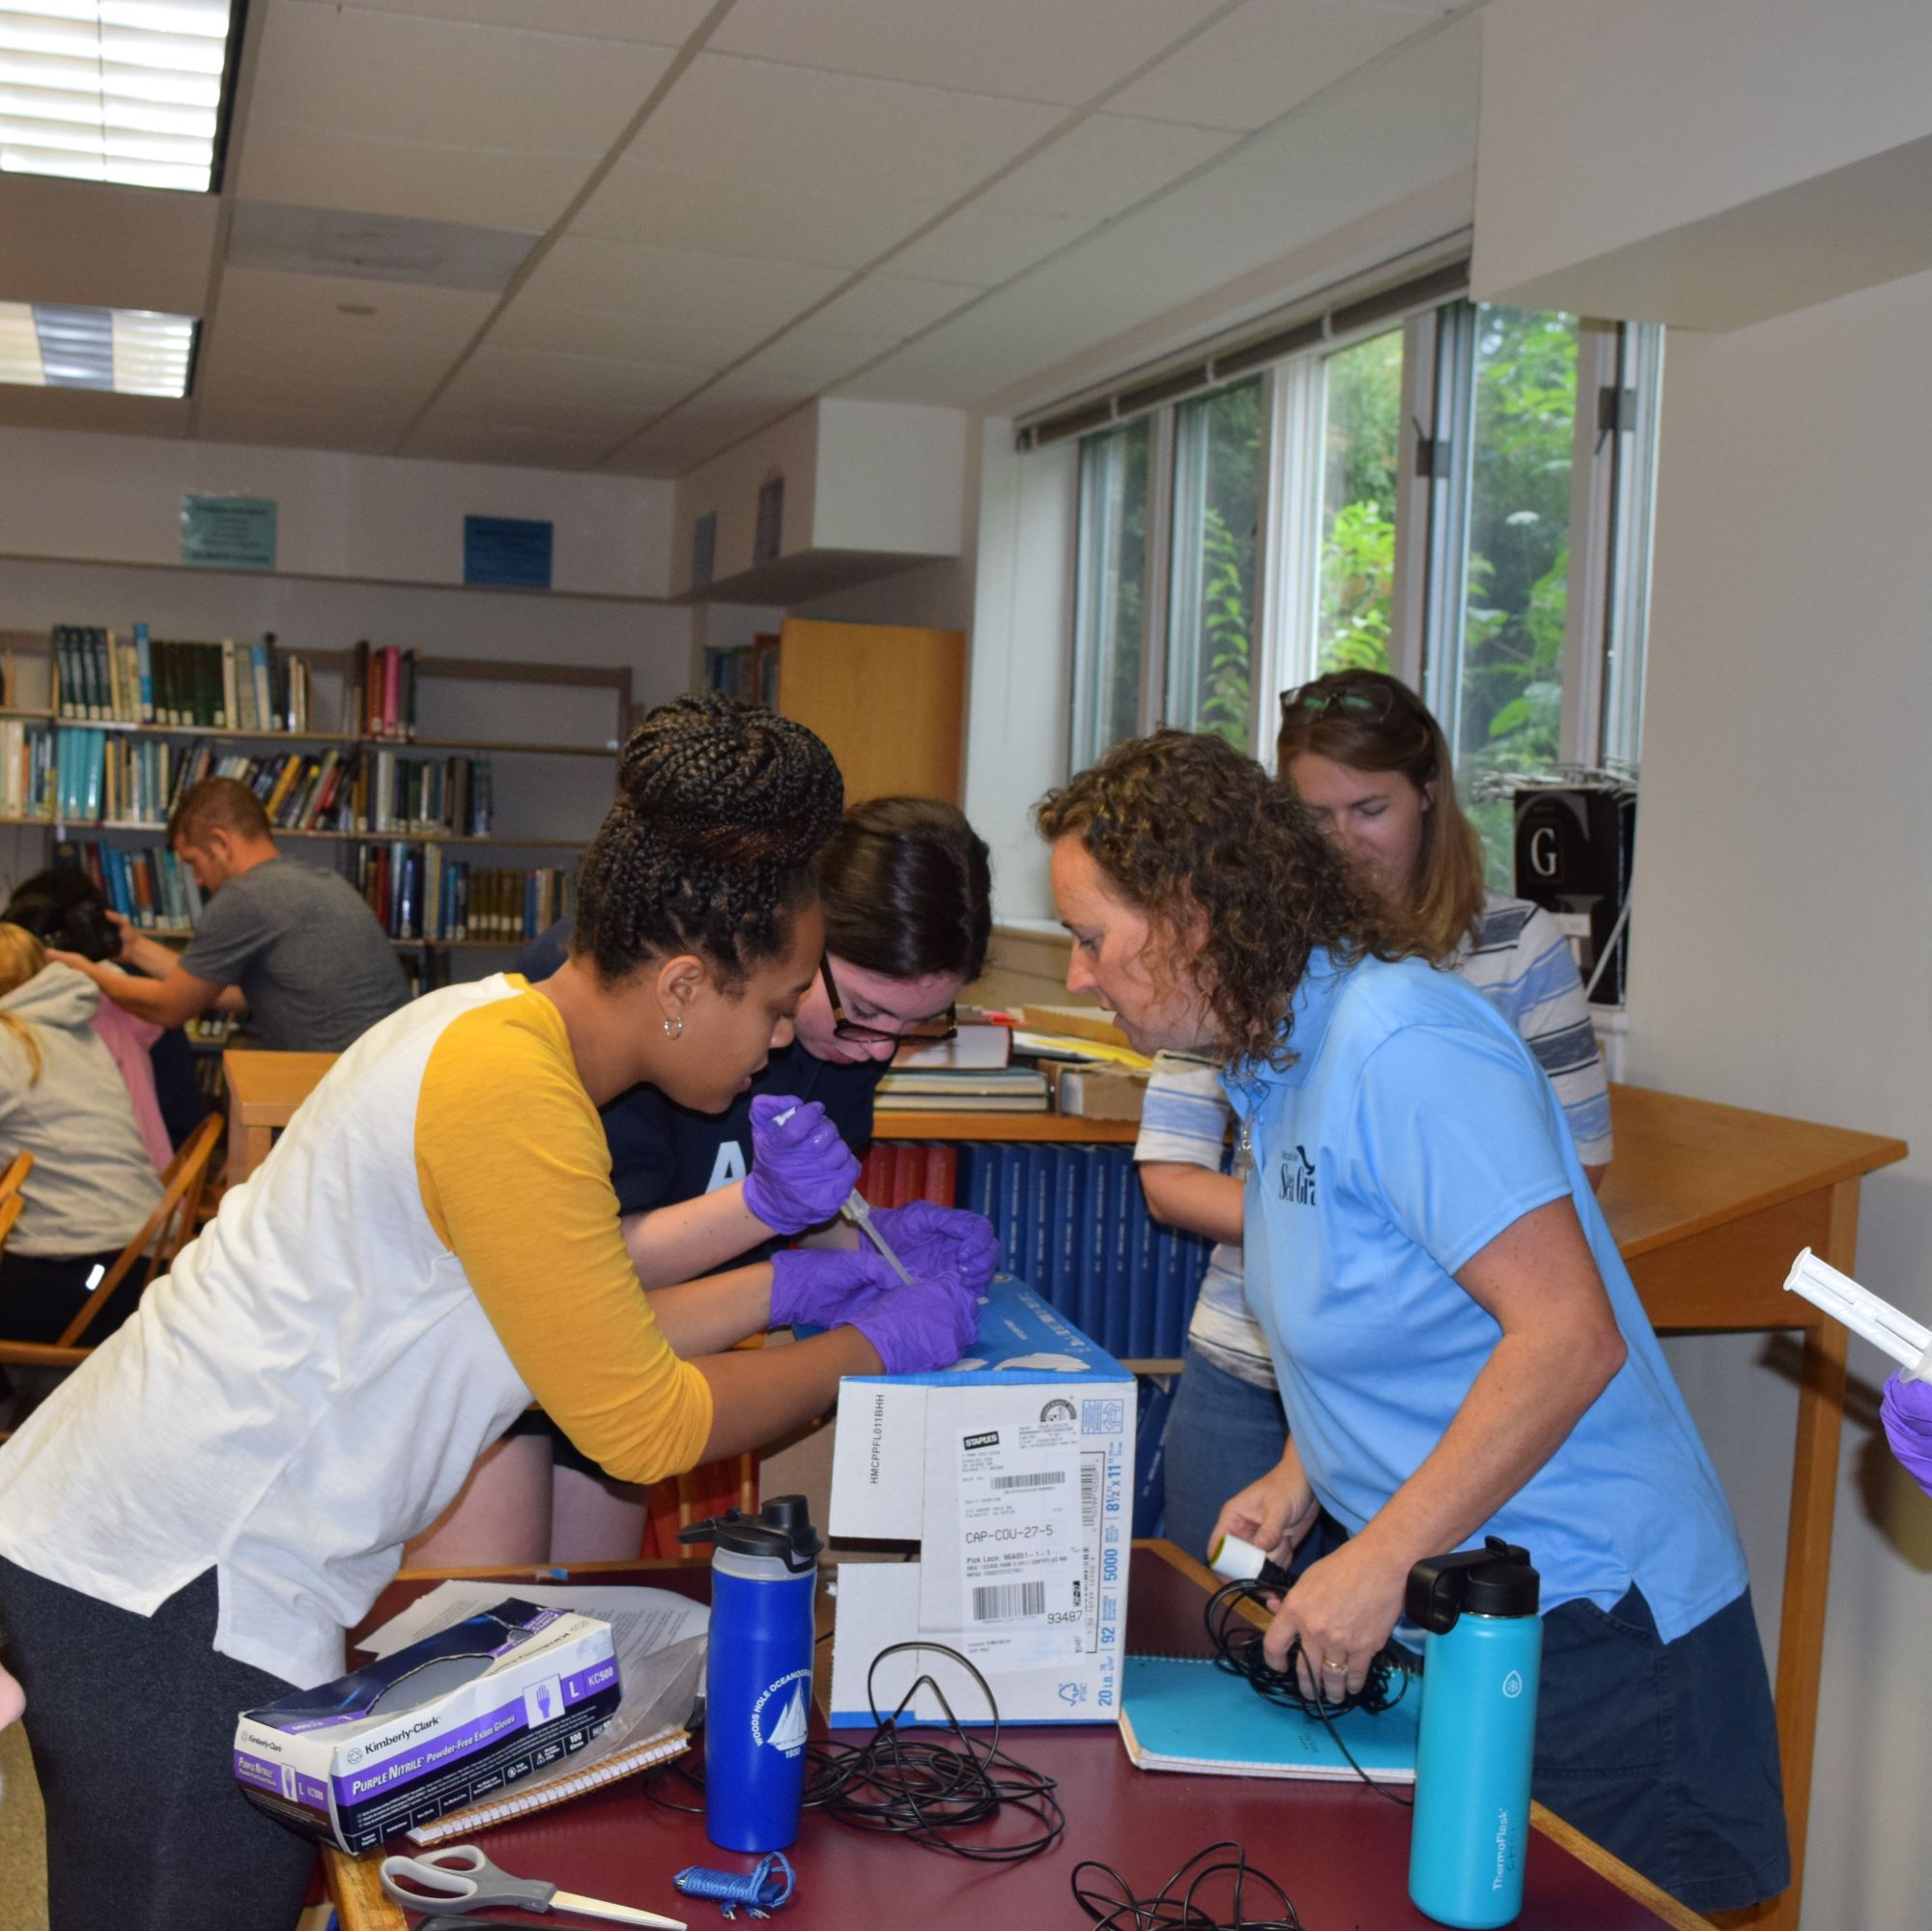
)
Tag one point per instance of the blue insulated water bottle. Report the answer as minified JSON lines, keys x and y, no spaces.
{"x":757,"y":1671}
{"x":1478,"y":1732}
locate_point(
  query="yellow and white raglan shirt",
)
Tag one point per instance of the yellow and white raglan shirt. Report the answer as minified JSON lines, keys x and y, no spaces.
{"x":432,"y":1244}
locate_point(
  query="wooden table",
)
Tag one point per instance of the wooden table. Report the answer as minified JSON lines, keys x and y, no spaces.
{"x":1341,"y":1851}
{"x":1710,"y":1205}
{"x":264,"y":1091}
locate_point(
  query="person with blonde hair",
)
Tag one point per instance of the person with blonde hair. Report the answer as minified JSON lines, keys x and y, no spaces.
{"x":1366,"y":759}
{"x":62,"y":1099}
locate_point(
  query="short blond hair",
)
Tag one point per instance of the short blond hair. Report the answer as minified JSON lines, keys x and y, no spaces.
{"x":21,"y":958}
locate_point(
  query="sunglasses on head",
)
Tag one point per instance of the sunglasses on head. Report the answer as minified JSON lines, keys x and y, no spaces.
{"x":1371,"y":703}
{"x":927,"y":1032}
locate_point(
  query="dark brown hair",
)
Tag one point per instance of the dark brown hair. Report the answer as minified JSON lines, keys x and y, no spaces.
{"x":1184,"y":826}
{"x":1390,"y":729}
{"x":225,"y":804}
{"x":907,"y":889}
{"x":709,"y":848}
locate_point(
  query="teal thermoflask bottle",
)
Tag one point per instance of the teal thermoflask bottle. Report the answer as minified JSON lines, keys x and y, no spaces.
{"x":757,"y":1671}
{"x":1478,"y":1732}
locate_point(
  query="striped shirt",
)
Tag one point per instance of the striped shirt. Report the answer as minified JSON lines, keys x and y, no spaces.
{"x":1522,"y":965}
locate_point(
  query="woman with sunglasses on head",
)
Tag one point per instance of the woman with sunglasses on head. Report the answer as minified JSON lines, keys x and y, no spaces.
{"x":1460,"y":1348}
{"x":906,"y":893}
{"x":1369,"y":763}
{"x":188,"y":1524}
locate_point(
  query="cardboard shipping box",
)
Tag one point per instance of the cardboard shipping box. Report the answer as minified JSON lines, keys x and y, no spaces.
{"x":1013,"y":1474}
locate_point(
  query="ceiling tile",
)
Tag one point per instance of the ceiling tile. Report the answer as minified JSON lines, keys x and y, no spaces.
{"x":1048,"y":50}
{"x":1263,"y":59}
{"x":1105,"y":165}
{"x":985,"y":245}
{"x":287,"y":426}
{"x":23,"y":408}
{"x":678,"y":284}
{"x":506,"y":443}
{"x":781,"y":220}
{"x":572,"y":331}
{"x":313,"y":165}
{"x":665,"y":23}
{"x":726,"y":413}
{"x":445,"y":83}
{"x":333,"y":243}
{"x":815,"y":357}
{"x":105,"y":246}
{"x":896,"y":305}
{"x":753,"y":122}
{"x":581,"y":381}
{"x":262,"y":303}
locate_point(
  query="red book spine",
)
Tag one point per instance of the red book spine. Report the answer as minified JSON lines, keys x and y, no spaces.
{"x":942,"y":1173}
{"x":392,"y":679}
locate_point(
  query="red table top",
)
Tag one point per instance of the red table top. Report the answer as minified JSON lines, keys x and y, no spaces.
{"x":1340,"y":1852}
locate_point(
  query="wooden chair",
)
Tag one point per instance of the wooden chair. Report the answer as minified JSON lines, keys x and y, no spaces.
{"x":11,"y":1199}
{"x":165,"y":1232}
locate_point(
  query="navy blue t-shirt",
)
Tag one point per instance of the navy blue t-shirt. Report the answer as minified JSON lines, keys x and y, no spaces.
{"x":662,"y":1152}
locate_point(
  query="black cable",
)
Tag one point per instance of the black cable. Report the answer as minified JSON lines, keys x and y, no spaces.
{"x":1173,"y":1909}
{"x":924,"y":1782}
{"x":1237,"y":1649}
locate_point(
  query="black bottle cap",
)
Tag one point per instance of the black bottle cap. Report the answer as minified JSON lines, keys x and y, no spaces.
{"x":782,"y":1528}
{"x":1493,"y":1580}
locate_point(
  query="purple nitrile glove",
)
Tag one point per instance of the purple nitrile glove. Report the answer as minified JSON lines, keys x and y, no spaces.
{"x":927,"y":1236}
{"x":1906,"y":1414}
{"x":919,"y":1329}
{"x":817,"y":1285}
{"x":801,"y":1169}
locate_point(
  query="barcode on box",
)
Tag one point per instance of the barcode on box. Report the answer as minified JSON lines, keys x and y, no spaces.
{"x":1008,"y":1602}
{"x":1044,"y":1478}
{"x":1089,"y":1491}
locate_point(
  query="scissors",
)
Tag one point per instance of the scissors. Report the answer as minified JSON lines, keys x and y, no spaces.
{"x":462,"y":1879}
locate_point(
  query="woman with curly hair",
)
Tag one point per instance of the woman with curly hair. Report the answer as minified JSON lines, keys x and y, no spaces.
{"x":1460,"y":1349}
{"x":1366,"y":756}
{"x":190,"y":1525}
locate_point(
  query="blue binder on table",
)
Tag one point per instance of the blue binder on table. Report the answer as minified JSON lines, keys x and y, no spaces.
{"x":1182,"y":1713}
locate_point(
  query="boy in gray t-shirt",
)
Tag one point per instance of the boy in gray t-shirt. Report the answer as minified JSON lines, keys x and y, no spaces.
{"x":295,"y":942}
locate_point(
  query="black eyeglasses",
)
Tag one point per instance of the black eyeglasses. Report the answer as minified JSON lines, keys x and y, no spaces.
{"x":1369,"y":702}
{"x":942,"y":1026}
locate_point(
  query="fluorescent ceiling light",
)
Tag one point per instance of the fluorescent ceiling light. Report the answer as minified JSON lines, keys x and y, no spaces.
{"x":130,"y":351}
{"x":112,"y":90}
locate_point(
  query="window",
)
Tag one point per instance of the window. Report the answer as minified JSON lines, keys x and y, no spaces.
{"x":1462,"y":497}
{"x":1209,"y":680}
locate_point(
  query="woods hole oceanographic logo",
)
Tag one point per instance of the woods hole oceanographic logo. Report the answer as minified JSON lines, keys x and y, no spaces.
{"x":787,"y":1731}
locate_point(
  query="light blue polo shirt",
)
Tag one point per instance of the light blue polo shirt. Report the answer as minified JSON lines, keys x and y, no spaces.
{"x":1412,"y":1130}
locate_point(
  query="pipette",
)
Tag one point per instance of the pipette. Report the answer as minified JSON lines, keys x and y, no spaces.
{"x":1861,"y":1311}
{"x":858,"y":1209}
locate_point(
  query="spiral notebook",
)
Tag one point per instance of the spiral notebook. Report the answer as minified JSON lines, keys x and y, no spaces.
{"x":1181,"y":1713}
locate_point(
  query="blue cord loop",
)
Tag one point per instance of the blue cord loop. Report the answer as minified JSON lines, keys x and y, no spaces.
{"x":761,"y":1891}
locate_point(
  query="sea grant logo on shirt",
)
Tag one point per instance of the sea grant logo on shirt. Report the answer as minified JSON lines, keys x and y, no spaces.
{"x":1297,"y":1178}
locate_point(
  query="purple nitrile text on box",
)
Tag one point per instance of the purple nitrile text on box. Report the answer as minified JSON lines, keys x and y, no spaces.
{"x":435,"y":1754}
{"x":258,"y":1771}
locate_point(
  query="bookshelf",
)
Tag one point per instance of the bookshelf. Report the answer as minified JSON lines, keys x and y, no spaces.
{"x":423,"y":751}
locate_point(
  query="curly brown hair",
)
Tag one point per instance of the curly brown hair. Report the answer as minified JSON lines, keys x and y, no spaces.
{"x":1189,"y":832}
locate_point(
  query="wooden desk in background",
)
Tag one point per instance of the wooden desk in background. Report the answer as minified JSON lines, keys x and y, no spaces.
{"x":264,"y":1091}
{"x":1709,"y":1203}
{"x":1340,"y":1851}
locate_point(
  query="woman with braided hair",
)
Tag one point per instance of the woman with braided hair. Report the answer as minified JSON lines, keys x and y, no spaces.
{"x":191,"y":1522}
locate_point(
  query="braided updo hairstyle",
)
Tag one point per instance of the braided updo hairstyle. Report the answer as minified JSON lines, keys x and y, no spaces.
{"x":709,"y":848}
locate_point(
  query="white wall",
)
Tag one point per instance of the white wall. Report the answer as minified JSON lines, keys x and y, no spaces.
{"x":118,"y":499}
{"x":1784,"y":925}
{"x":1603,"y":125}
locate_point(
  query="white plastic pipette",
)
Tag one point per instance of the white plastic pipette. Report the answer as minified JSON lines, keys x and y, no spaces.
{"x":1860,"y":1310}
{"x":858,"y":1209}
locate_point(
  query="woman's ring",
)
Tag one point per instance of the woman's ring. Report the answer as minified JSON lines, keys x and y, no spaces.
{"x":1335,"y":1667}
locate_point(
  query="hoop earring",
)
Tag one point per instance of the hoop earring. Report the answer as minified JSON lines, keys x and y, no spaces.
{"x":674,"y":1029}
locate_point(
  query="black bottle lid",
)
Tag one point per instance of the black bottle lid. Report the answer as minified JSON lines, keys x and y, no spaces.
{"x":782,"y":1528}
{"x":1493,"y":1580}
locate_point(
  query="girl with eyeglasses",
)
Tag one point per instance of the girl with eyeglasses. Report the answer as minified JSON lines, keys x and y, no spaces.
{"x":906,"y":893}
{"x":1371,"y":764}
{"x":191,"y":1520}
{"x":1460,"y":1348}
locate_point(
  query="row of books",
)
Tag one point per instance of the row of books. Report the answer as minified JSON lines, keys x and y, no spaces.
{"x":152,"y":888}
{"x":747,"y":671}
{"x":28,"y":781}
{"x":1073,"y":1223}
{"x":429,"y":794}
{"x":416,"y":892}
{"x":101,"y":677}
{"x":382,"y":699}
